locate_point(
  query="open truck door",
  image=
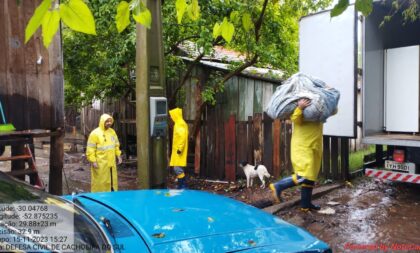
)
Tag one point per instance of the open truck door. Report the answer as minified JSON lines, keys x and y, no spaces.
{"x":328,"y":51}
{"x":390,"y":88}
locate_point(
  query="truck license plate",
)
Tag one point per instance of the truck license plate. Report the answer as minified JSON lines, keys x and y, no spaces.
{"x":406,"y":167}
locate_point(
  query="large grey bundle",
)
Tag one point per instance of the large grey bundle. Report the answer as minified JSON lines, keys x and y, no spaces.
{"x":324,"y":99}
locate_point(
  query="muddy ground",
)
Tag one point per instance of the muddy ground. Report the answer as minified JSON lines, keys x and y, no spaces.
{"x":369,"y":215}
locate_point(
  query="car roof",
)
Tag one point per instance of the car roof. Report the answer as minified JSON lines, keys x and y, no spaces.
{"x":176,"y":218}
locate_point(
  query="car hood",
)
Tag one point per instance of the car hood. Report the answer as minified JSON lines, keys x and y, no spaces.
{"x":194,"y":221}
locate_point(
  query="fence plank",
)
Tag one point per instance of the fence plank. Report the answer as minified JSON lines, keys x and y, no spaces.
{"x":334,"y":156}
{"x":257,"y":138}
{"x":287,"y":133}
{"x":197,"y":153}
{"x":267,"y":94}
{"x":220,"y":144}
{"x":276,"y":148}
{"x":258,"y":97}
{"x":232,"y":96}
{"x":246,"y":98}
{"x":242,"y":142}
{"x":189,"y":99}
{"x":211,"y":126}
{"x":268,"y":142}
{"x":230,"y":148}
{"x":204,"y":146}
{"x":250,"y":146}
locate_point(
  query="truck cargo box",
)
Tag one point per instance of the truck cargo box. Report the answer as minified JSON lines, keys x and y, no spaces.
{"x":387,"y":55}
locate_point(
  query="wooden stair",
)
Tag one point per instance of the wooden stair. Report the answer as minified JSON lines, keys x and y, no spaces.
{"x":31,"y":171}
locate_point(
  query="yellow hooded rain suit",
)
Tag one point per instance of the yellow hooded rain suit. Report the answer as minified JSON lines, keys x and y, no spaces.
{"x":306,"y":146}
{"x":180,"y":139}
{"x":103,"y":147}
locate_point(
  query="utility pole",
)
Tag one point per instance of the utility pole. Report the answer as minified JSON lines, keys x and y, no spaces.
{"x":150,"y":81}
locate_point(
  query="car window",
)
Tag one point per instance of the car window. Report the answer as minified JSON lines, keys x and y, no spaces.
{"x":25,"y":225}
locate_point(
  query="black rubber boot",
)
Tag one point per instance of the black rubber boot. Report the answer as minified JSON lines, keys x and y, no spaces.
{"x":181,"y":183}
{"x":306,"y":200}
{"x":281,"y":185}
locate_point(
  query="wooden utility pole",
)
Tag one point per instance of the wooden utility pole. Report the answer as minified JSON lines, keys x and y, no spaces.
{"x":150,"y":81}
{"x":142,"y":108}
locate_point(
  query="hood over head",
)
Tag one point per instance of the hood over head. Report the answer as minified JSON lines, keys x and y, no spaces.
{"x":176,"y":114}
{"x":104,"y":117}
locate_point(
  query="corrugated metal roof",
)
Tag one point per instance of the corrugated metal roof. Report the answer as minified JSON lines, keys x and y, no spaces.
{"x":221,"y":58}
{"x":271,"y":75}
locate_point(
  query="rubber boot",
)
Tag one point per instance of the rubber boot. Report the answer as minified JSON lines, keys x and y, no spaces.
{"x":281,"y":185}
{"x":306,"y":200}
{"x":181,"y":183}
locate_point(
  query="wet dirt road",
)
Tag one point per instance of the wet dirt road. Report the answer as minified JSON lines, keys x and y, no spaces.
{"x":371,"y":216}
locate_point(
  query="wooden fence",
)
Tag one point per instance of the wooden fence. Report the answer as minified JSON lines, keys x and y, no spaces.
{"x":220,"y":147}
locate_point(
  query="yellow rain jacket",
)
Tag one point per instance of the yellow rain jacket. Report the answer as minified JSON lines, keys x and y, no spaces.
{"x":103,"y":147}
{"x":180,"y":139}
{"x":306,"y":146}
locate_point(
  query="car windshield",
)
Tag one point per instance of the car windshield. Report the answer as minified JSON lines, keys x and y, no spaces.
{"x":33,"y":220}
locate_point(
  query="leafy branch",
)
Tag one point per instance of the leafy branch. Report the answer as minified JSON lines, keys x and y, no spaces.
{"x":77,"y":16}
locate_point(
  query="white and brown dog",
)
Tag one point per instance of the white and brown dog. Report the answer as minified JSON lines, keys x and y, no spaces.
{"x":252,"y":172}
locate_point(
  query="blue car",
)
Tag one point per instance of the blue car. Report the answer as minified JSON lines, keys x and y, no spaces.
{"x":157,"y":221}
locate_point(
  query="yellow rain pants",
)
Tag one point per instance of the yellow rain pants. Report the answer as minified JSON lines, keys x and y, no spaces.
{"x":306,"y":146}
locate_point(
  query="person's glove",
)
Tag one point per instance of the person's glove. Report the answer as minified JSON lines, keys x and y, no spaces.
{"x":119,"y":160}
{"x":95,"y":165}
{"x":178,"y":152}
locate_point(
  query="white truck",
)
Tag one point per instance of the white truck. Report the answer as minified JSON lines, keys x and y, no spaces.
{"x":388,"y":57}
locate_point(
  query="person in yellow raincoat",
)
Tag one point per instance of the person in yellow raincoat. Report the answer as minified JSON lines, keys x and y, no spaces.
{"x":179,"y":146}
{"x":306,"y":155}
{"x":102,"y":149}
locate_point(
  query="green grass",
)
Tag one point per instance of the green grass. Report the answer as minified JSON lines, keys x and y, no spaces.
{"x":356,"y":158}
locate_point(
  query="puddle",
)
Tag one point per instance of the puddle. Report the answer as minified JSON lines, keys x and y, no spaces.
{"x":372,"y":217}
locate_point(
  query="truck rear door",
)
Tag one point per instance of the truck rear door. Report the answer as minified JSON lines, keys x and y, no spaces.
{"x":328,"y":50}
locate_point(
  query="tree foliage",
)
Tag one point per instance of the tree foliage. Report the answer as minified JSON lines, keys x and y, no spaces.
{"x":99,"y":66}
{"x":409,"y":9}
{"x":264,"y":31}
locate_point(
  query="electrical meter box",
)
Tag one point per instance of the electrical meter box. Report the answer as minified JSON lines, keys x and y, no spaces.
{"x":158,"y":116}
